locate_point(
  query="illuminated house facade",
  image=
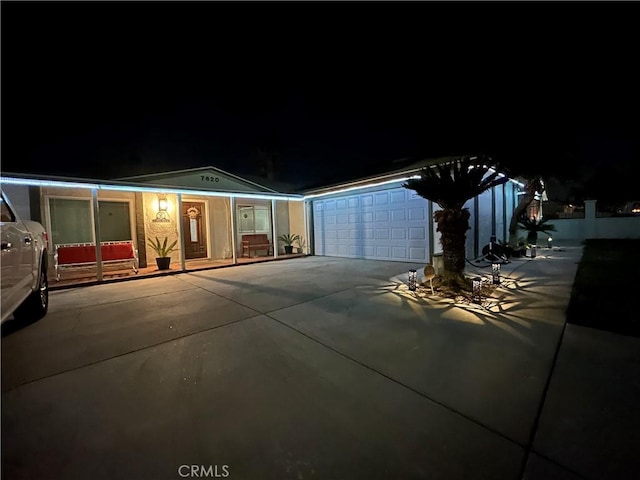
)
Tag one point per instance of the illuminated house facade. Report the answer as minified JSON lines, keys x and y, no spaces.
{"x":206,"y":211}
{"x":216,"y":218}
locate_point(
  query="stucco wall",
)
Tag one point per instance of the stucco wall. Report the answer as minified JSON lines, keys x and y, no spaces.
{"x":296,"y":222}
{"x":219,"y":228}
{"x":500,"y":205}
{"x":160,"y":229}
{"x":282,"y":222}
{"x":485,"y":221}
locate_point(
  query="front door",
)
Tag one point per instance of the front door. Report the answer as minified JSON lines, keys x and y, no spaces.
{"x":194,"y":230}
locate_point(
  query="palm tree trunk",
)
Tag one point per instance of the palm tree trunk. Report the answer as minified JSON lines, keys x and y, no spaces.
{"x":533,"y":185}
{"x":453,"y":225}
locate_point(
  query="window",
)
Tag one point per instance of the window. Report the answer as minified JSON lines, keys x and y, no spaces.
{"x":254,"y":219}
{"x":71,"y":220}
{"x":115,"y":223}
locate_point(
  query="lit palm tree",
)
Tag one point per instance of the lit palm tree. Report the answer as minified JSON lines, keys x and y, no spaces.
{"x":451,"y":185}
{"x":534,"y":226}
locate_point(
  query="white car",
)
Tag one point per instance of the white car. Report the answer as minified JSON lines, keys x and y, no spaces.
{"x":25,"y":289}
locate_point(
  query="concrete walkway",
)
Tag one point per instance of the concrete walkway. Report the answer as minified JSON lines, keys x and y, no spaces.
{"x":308,"y":368}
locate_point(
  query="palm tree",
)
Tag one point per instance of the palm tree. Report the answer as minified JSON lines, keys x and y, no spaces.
{"x":533,"y":227}
{"x":451,"y":185}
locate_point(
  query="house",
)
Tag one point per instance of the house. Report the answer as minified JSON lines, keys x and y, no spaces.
{"x":211,"y":213}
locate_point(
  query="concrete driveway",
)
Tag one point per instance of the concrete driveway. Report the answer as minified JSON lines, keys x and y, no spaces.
{"x":306,"y":368}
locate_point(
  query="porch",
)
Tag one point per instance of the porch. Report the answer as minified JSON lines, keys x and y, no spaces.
{"x":117,"y":273}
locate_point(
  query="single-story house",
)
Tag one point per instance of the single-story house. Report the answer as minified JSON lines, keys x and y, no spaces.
{"x":215,"y":216}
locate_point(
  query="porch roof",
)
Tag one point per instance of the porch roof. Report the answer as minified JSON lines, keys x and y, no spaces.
{"x":391,"y":176}
{"x":133,"y":186}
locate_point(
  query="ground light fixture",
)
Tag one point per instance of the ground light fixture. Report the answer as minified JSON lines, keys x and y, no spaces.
{"x":412,"y":280}
{"x":533,"y":251}
{"x":495,"y":273}
{"x":549,"y":242}
{"x":477,"y":290}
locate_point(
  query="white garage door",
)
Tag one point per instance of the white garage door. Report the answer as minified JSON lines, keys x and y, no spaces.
{"x":384,"y":225}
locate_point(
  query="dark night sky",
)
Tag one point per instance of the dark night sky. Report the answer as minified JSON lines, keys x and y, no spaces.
{"x":103,"y":89}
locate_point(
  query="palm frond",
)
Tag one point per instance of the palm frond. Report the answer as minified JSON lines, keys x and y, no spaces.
{"x":452,"y":184}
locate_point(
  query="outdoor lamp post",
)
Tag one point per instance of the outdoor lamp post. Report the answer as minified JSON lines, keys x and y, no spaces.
{"x":495,"y":273}
{"x":477,"y":290}
{"x":412,"y":280}
{"x":549,"y":242}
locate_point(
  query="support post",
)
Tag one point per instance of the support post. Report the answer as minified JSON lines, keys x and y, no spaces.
{"x":274,"y":224}
{"x":96,"y":232}
{"x":183,"y":264}
{"x":232,"y":212}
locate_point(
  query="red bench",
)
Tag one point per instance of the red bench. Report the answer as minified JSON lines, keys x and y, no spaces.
{"x":255,"y":242}
{"x":84,"y":254}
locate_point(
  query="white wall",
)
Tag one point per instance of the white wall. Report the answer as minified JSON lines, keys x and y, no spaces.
{"x":485,"y":222}
{"x":500,"y":205}
{"x":578,"y":229}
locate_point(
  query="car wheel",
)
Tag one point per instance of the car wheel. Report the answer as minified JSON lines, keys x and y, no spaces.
{"x":37,"y":304}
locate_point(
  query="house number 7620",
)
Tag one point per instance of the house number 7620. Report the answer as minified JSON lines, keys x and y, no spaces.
{"x":206,"y":178}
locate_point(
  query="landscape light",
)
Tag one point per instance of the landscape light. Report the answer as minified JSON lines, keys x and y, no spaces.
{"x":533,"y":251}
{"x":549,"y":242}
{"x":495,"y":273}
{"x":412,"y":280}
{"x":477,"y":290}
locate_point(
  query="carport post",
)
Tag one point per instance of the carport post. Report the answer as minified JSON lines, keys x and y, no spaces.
{"x":232,"y":209}
{"x":183,"y":265}
{"x":432,"y":237}
{"x":493,"y":211}
{"x":274,"y":222}
{"x":96,"y":232}
{"x":305,"y":219}
{"x":504,"y":213}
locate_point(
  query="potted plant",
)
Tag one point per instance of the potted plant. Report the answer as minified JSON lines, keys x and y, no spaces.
{"x":163,"y":260}
{"x":302,"y":245}
{"x":288,"y":241}
{"x":533,"y":226}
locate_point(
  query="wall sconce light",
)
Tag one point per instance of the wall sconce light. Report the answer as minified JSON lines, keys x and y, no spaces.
{"x":495,"y":273}
{"x":477,"y":290}
{"x":163,"y":203}
{"x":549,"y":242}
{"x":162,"y":215}
{"x":412,"y":280}
{"x":533,"y":251}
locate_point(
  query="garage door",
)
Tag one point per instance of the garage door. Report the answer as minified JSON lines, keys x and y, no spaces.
{"x":384,"y":225}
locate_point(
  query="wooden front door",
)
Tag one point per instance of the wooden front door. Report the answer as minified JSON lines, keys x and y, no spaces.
{"x":194,"y":230}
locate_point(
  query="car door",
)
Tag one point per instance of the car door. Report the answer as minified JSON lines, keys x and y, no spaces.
{"x":17,"y":259}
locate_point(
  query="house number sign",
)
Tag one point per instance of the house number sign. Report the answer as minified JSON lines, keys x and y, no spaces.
{"x":208,"y":178}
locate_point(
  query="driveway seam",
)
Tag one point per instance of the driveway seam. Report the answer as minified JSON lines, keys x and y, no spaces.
{"x":269,"y":311}
{"x":55,"y":312}
{"x":136,"y":350}
{"x":534,"y":429}
{"x":398,"y":382}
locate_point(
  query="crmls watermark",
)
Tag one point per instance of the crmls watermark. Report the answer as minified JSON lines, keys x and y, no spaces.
{"x":203,"y":471}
